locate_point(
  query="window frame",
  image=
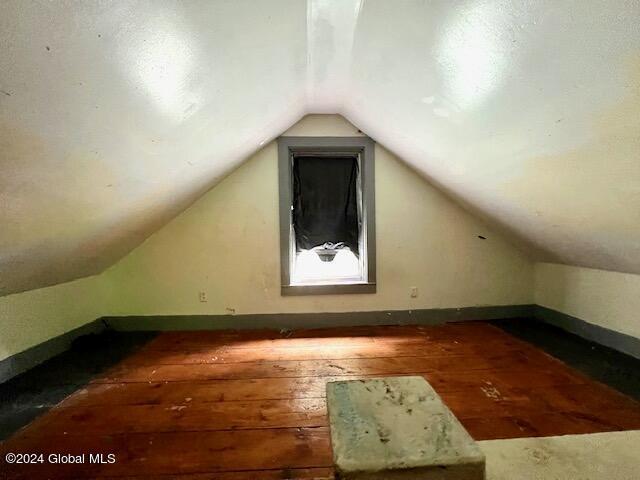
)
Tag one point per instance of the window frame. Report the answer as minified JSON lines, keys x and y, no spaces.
{"x":364,"y":148}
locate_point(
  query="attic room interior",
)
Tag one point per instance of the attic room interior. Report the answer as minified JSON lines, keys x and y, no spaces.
{"x":318,"y":239}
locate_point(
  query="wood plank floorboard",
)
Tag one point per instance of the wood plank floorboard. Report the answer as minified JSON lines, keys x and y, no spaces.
{"x":178,"y":452}
{"x":278,"y":474}
{"x":201,"y":354}
{"x":145,"y":393}
{"x":235,"y":405}
{"x":316,"y":368}
{"x":186,"y":416}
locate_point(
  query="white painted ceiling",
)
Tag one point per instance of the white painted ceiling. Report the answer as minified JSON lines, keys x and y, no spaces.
{"x":116,"y":115}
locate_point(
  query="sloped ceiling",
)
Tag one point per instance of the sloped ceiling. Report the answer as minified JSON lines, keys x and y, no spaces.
{"x":114,"y":116}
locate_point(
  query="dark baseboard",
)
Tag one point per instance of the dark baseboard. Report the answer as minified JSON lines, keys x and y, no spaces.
{"x":23,"y":361}
{"x":610,"y":338}
{"x":29,"y":358}
{"x":316,"y":320}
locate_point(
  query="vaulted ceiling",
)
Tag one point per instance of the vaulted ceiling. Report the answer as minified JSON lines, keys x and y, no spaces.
{"x":114,"y":116}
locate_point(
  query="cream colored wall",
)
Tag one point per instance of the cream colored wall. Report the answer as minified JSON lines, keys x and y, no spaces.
{"x":607,"y":299}
{"x":227,"y":245}
{"x":33,"y":317}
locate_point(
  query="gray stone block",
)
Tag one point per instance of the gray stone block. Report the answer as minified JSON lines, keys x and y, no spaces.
{"x":398,"y":428}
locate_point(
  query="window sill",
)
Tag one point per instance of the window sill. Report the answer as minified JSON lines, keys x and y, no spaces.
{"x":334,"y":289}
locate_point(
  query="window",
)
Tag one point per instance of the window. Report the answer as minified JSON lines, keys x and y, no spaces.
{"x":327,"y":215}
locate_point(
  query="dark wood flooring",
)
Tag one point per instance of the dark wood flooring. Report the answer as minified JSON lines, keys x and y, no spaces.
{"x":250,"y":405}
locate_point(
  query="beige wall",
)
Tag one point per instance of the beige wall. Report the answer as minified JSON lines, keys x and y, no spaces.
{"x":227,"y":245}
{"x":33,"y":317}
{"x":607,"y":299}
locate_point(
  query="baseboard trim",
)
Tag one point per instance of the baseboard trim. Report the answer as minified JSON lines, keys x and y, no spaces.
{"x":609,"y":338}
{"x":316,"y":320}
{"x":31,"y":357}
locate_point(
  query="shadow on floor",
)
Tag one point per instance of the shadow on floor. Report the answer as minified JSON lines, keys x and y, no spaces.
{"x":34,"y":392}
{"x":601,"y":363}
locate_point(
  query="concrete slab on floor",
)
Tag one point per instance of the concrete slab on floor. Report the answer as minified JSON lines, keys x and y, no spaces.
{"x":595,"y":456}
{"x":398,"y":428}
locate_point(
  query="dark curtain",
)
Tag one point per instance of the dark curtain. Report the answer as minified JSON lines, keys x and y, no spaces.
{"x":325,"y":201}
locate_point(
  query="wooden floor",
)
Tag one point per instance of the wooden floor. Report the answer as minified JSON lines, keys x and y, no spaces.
{"x":250,"y":405}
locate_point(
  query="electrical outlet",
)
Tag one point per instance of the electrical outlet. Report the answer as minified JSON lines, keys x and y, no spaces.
{"x":202,"y":296}
{"x":413,"y":292}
